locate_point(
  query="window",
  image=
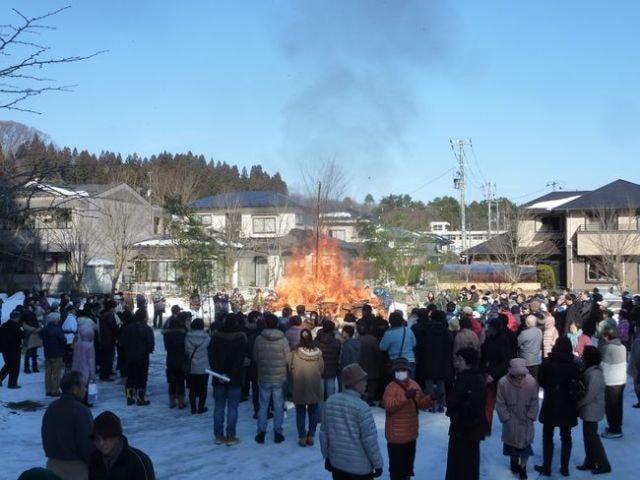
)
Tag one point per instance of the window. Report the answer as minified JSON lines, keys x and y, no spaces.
{"x":595,"y":222}
{"x":338,"y":234}
{"x":549,"y":224}
{"x":264,"y":225}
{"x":59,"y":218}
{"x":596,"y":273}
{"x":155,"y":271}
{"x":205,"y":220}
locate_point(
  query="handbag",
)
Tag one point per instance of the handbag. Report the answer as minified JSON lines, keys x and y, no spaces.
{"x":388,"y":363}
{"x":187,"y":366}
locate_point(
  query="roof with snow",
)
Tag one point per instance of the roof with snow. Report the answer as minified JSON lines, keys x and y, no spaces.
{"x":245,"y":200}
{"x":616,"y":195}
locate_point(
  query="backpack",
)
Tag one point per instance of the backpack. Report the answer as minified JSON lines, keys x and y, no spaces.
{"x":577,"y":388}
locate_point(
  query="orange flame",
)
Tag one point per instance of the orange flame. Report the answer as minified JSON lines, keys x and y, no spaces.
{"x":335,"y":283}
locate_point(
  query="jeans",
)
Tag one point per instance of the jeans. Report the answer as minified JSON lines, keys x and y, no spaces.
{"x":226,"y":396}
{"x":31,"y":353}
{"x":613,"y":407}
{"x":329,"y":386}
{"x":267,"y":393}
{"x":301,"y":414}
{"x":157,"y":318}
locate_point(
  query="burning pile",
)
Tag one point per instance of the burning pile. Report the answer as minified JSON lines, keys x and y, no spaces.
{"x":327,"y":286}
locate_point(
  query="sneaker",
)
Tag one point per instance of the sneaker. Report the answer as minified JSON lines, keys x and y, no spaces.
{"x":260,"y":437}
{"x":231,"y":441}
{"x":636,"y":405}
{"x":220,"y":440}
{"x":14,"y":387}
{"x":302,"y":441}
{"x":278,"y":437}
{"x":608,"y":434}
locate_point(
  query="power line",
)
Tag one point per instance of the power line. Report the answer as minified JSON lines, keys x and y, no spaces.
{"x":432,"y":180}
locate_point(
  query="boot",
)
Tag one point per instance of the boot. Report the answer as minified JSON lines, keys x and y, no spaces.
{"x":140,"y":398}
{"x":173,"y":401}
{"x":34,"y":366}
{"x":181,"y":402}
{"x":130,"y":394}
{"x":310,"y":440}
{"x":522,"y":472}
{"x":192,"y":404}
{"x":514,"y":465}
{"x":302,"y":441}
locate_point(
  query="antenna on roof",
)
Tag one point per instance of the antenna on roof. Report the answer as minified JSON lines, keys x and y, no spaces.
{"x":556,"y":185}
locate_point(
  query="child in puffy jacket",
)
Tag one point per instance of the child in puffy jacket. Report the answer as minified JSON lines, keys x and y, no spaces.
{"x":402,"y":401}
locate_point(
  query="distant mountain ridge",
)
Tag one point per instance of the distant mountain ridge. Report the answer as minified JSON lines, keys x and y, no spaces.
{"x":13,"y":134}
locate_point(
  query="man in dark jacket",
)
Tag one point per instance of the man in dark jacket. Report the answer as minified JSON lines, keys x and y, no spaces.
{"x":11,"y":344}
{"x":66,"y":430}
{"x":113,"y":458}
{"x":226,"y":356}
{"x":330,"y":347}
{"x":55,"y":345}
{"x":137,"y":344}
{"x":174,"y":336}
{"x":433,"y":351}
{"x":465,"y":408}
{"x":108,"y":338}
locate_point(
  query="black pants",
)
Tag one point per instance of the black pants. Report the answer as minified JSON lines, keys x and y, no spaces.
{"x":198,"y":390}
{"x":340,"y":475}
{"x":613,"y":407}
{"x":107,"y":354}
{"x":547,"y":445}
{"x":594,"y":454}
{"x":463,"y":458}
{"x":175,"y":379}
{"x":68,"y":357}
{"x":11,"y":367}
{"x":401,"y":458}
{"x":137,"y":373}
{"x":31,"y":353}
{"x":157,"y":317}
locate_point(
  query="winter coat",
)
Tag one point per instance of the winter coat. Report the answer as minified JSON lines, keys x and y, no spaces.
{"x":173,"y":339}
{"x":330,"y":347}
{"x":517,"y":407}
{"x":31,"y":328}
{"x":53,"y":341}
{"x":401,"y":423}
{"x":465,"y":338}
{"x":370,"y":358}
{"x":306,"y":373}
{"x":293,"y":336}
{"x":137,"y":341}
{"x":87,"y":320}
{"x":573,"y":314}
{"x":350,"y":352}
{"x":530,"y":345}
{"x":434,"y":346}
{"x":582,"y":341}
{"x":549,"y":336}
{"x":159,"y":302}
{"x":393,"y":344}
{"x":614,"y":362}
{"x":554,"y":376}
{"x":131,"y":464}
{"x":634,"y":359}
{"x":10,"y":337}
{"x":108,"y":330}
{"x":348,"y":434}
{"x":496,"y":352}
{"x":66,"y":430}
{"x":84,"y":354}
{"x":591,"y":406}
{"x":272,"y":355}
{"x":466,"y":406}
{"x":195,"y":350}
{"x":70,"y":328}
{"x":226,"y":355}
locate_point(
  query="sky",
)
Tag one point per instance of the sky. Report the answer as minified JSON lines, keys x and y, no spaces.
{"x":546,"y":90}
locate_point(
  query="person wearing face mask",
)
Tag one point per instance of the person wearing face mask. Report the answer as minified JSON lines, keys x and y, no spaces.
{"x":402,"y":400}
{"x":348,"y":435}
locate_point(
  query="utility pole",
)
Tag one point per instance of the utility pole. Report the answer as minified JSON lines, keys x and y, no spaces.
{"x":489,"y":199}
{"x":317,"y":266}
{"x":459,"y":183}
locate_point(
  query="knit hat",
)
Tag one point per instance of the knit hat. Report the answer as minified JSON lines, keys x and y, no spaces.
{"x":467,"y":310}
{"x":107,"y":425}
{"x":352,"y":374}
{"x":518,"y":366}
{"x":454,"y":324}
{"x":400,"y":364}
{"x":531,"y":321}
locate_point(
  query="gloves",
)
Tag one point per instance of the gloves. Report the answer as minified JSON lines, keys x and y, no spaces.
{"x":377,"y":473}
{"x":410,"y":394}
{"x":327,"y":465}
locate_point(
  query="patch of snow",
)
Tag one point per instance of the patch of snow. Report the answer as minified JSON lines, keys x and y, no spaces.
{"x":551,"y":204}
{"x":100,"y":262}
{"x":156,"y":242}
{"x":64,"y":192}
{"x":10,"y":303}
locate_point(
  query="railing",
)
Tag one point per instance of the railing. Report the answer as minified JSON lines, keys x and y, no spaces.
{"x":594,"y":227}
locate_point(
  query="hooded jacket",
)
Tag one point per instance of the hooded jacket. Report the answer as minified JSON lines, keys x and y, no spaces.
{"x":530,"y":345}
{"x":591,"y":406}
{"x":306,"y":372}
{"x":517,"y":407}
{"x":272,"y":355}
{"x":131,"y":464}
{"x":550,"y":335}
{"x":227,"y":354}
{"x":195,"y":349}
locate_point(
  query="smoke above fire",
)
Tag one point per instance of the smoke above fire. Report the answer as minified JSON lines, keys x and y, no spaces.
{"x":330,"y":285}
{"x":361,"y":60}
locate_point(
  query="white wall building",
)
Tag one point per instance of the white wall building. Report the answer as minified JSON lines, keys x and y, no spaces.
{"x":474,"y":237}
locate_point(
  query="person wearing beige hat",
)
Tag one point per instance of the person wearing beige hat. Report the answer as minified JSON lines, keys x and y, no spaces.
{"x":517,"y":407}
{"x":348,"y":434}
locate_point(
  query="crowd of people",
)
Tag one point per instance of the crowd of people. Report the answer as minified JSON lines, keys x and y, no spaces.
{"x":466,"y":356}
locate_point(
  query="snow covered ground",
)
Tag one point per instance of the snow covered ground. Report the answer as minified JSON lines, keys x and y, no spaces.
{"x":181,"y":445}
